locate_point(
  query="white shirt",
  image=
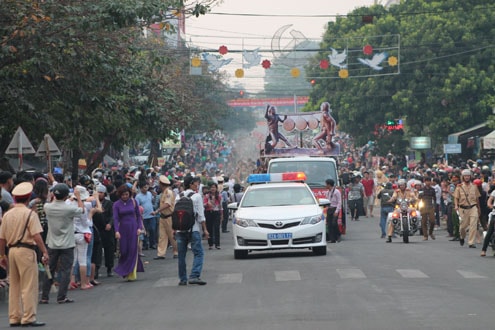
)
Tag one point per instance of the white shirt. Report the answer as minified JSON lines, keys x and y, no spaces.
{"x":438,"y":193}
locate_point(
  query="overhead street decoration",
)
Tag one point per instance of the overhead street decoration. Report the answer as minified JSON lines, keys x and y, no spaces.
{"x":290,"y":49}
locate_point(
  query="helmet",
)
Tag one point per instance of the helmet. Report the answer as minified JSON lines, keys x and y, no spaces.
{"x":401,"y":182}
{"x":85,"y":180}
{"x":466,"y":172}
{"x":61,"y":190}
{"x":478,"y":182}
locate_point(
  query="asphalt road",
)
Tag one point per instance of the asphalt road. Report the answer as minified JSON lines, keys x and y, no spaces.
{"x":362,"y":283}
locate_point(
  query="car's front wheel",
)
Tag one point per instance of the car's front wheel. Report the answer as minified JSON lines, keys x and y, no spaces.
{"x":240,"y":254}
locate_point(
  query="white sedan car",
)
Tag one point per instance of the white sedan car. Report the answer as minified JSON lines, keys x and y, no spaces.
{"x":278,"y":211}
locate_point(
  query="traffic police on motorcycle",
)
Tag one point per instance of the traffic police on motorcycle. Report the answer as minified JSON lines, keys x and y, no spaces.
{"x":401,"y":193}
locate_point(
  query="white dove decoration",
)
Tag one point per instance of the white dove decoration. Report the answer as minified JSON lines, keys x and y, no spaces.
{"x":252,"y":58}
{"x":375,"y":61}
{"x":215,"y":62}
{"x":336,"y":58}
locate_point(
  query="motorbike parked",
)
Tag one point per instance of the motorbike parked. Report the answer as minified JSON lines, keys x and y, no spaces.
{"x":405,"y":218}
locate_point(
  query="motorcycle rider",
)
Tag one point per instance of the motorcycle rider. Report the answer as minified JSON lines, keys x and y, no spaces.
{"x":386,"y":206}
{"x":401,"y":193}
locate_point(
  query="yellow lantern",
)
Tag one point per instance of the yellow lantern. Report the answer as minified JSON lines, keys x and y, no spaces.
{"x":239,"y":73}
{"x":343,"y":73}
{"x":195,"y":62}
{"x":392,"y":61}
{"x":295,"y":72}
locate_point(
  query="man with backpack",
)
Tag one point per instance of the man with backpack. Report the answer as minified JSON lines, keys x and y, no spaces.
{"x":189,"y":232}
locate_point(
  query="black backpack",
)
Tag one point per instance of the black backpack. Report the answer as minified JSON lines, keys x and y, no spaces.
{"x":183,"y":217}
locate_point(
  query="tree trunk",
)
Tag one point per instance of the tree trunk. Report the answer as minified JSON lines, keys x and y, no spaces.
{"x":154,"y":152}
{"x":76,"y":155}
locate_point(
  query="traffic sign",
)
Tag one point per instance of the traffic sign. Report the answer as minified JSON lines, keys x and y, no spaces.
{"x":452,"y":148}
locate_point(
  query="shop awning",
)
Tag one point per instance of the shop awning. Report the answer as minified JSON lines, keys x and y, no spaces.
{"x":479,"y":130}
{"x":489,"y":141}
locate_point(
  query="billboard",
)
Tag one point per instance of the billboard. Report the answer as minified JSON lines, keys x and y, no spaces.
{"x":420,"y":142}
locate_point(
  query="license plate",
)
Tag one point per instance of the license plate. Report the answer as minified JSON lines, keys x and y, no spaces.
{"x":277,"y":236}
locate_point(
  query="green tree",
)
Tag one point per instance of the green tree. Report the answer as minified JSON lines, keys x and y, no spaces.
{"x":83,"y":72}
{"x":446,"y":70}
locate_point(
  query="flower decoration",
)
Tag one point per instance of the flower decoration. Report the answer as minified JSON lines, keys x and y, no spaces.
{"x":324,"y":64}
{"x":368,"y":50}
{"x":343,"y":73}
{"x":239,"y":73}
{"x":392,"y":61}
{"x":223,"y":50}
{"x":266,"y":64}
{"x":195,"y":62}
{"x":295,"y":72}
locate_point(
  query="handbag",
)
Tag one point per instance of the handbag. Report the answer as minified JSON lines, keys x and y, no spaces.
{"x":87,"y":237}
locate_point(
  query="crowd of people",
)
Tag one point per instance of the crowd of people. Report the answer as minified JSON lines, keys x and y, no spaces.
{"x":74,"y":228}
{"x":76,"y":225}
{"x":458,"y":198}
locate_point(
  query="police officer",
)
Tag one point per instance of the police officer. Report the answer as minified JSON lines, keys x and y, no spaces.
{"x":466,"y":202}
{"x":333,"y":211}
{"x":387,"y":206}
{"x":428,"y":195}
{"x":402,"y":193}
{"x":20,"y":231}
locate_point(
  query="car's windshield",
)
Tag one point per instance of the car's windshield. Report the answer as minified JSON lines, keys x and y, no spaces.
{"x":278,"y":196}
{"x":316,"y":171}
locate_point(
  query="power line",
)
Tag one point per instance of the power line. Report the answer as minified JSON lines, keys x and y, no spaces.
{"x":433,"y":12}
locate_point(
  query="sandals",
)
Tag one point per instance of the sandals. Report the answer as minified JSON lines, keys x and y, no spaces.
{"x":483,"y":254}
{"x":73,"y":285}
{"x":65,"y":301}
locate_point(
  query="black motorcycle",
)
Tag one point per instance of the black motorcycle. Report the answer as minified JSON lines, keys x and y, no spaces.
{"x":405,"y":218}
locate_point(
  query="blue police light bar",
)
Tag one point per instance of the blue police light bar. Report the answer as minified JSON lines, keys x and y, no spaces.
{"x":276,"y":177}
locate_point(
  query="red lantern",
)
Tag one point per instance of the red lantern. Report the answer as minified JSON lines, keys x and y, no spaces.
{"x":324,"y":64}
{"x":266,"y":64}
{"x":223,"y":50}
{"x":368,"y":50}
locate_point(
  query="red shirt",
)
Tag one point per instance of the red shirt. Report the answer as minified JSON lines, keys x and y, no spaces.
{"x":368,"y":186}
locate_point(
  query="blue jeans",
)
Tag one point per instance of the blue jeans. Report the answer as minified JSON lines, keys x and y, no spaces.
{"x":150,"y":227}
{"x":385,"y":210}
{"x":197,"y":248}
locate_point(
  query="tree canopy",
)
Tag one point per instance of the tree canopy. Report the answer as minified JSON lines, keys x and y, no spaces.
{"x":83,"y":72}
{"x":446,"y":80}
